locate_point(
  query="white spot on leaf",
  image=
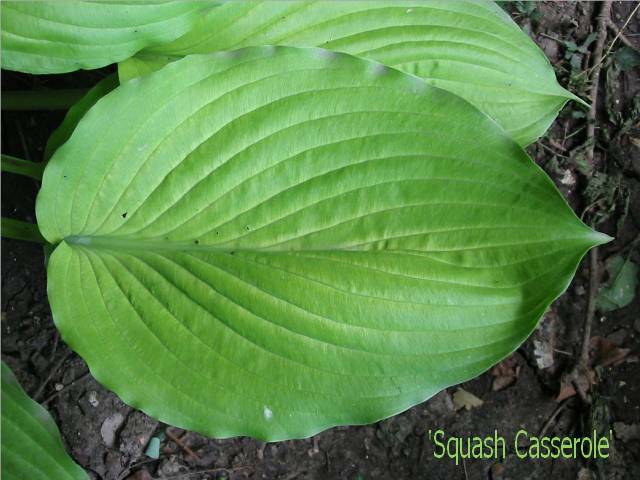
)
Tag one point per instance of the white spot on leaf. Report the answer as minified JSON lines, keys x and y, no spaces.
{"x":322,"y":53}
{"x":379,"y":69}
{"x":268,"y":414}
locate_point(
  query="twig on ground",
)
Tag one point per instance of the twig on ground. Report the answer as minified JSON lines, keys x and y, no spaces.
{"x":552,"y":151}
{"x":561,"y":406}
{"x":603,"y":19}
{"x":54,"y":349}
{"x":208,"y":470}
{"x":131,"y":467}
{"x":181,"y":444}
{"x":66,"y":387}
{"x":594,"y":284}
{"x":579,"y":375}
{"x":621,"y":36}
{"x":618,"y":31}
{"x":38,"y":393}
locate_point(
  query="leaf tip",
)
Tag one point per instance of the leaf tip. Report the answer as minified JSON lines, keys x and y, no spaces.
{"x":599,"y":238}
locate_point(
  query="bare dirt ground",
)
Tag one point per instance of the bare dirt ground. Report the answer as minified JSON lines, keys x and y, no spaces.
{"x":108,"y":438}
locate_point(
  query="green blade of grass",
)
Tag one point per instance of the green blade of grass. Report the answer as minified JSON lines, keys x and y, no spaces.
{"x":22,"y":167}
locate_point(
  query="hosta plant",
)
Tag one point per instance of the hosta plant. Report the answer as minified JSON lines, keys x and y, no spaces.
{"x":273,"y":240}
{"x":31,"y":444}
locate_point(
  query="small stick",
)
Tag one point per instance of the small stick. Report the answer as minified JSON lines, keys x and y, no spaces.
{"x":54,"y":349}
{"x":181,"y":444}
{"x":208,"y":470}
{"x":66,"y":387}
{"x":594,"y":284}
{"x":561,"y":406}
{"x":619,"y":31}
{"x":594,"y":277}
{"x":621,"y":36}
{"x":36,"y":395}
{"x":464,"y":465}
{"x":581,"y":367}
{"x":603,"y":18}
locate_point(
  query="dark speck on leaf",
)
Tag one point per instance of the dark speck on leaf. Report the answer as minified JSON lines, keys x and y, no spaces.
{"x":217,"y":233}
{"x":232,"y":253}
{"x":247,"y":227}
{"x":124,"y":215}
{"x":196,"y":242}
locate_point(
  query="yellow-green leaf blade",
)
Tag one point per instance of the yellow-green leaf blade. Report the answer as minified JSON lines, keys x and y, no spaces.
{"x":272,"y":241}
{"x":64,"y":36}
{"x":31,"y":444}
{"x":470,"y":48}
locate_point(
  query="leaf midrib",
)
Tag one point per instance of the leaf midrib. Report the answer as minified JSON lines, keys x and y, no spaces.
{"x":158,"y":244}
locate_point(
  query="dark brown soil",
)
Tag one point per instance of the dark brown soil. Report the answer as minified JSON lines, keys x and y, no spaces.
{"x":397,"y":448}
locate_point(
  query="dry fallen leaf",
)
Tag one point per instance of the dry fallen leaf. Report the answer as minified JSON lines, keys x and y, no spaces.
{"x":606,"y":353}
{"x":603,"y":353}
{"x":505,"y":373}
{"x":544,"y":341}
{"x":464,"y":399}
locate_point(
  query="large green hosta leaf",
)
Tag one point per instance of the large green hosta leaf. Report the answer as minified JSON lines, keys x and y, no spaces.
{"x":63,"y":36}
{"x":31,"y":444}
{"x":272,"y":241}
{"x":471,"y":48}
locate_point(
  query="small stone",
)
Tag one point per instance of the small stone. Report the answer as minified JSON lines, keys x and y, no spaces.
{"x":58,"y":387}
{"x":568,"y":178}
{"x":92,"y":398}
{"x":109,"y":428}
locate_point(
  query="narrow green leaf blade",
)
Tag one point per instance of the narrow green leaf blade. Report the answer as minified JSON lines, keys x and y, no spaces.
{"x":31,"y":444}
{"x":19,"y":230}
{"x":20,"y":166}
{"x":64,"y":36}
{"x":470,"y":48}
{"x":273,"y":241}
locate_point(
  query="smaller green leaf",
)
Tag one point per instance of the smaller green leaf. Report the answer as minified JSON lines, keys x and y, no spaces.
{"x":76,"y":112}
{"x":19,"y":166}
{"x":65,"y":36}
{"x":621,"y":287}
{"x":470,"y":48}
{"x":31,"y":443}
{"x":19,"y":230}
